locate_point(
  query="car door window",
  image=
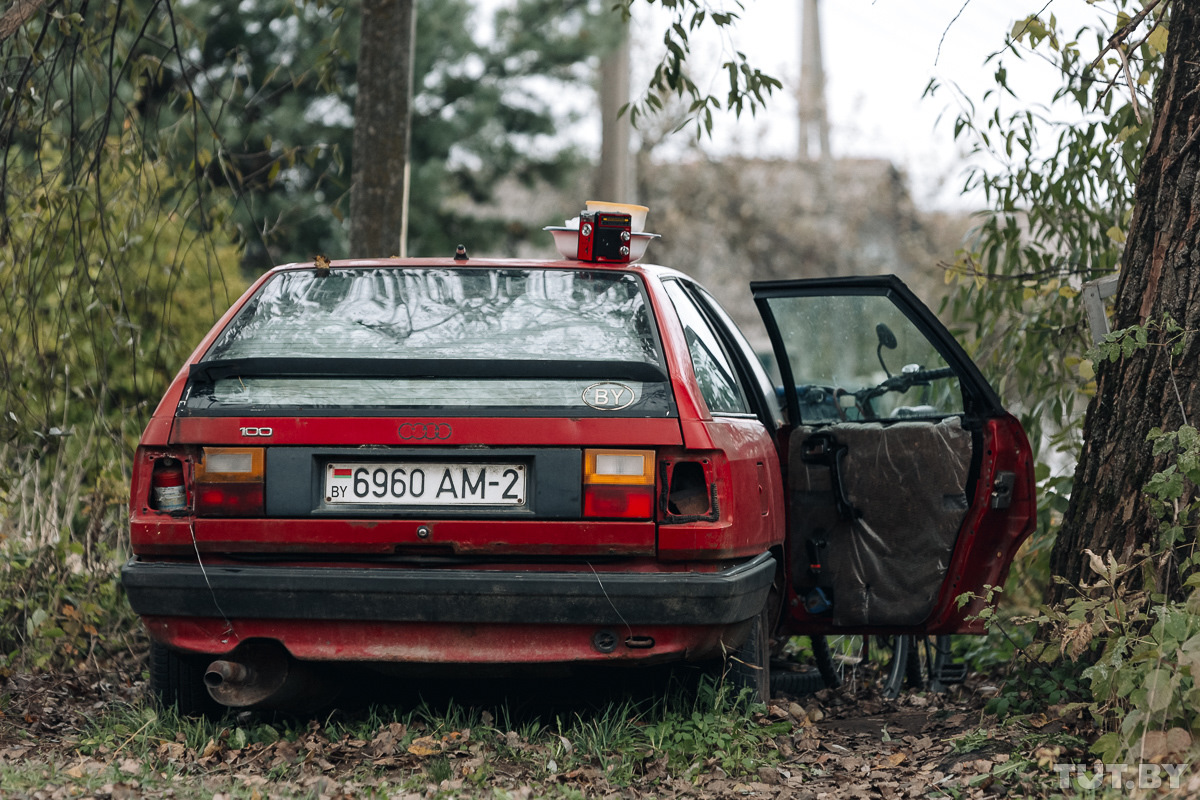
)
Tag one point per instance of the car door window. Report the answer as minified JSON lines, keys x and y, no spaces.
{"x":714,"y":370}
{"x":858,"y":357}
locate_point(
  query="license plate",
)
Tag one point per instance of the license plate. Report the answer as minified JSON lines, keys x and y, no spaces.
{"x":425,"y":483}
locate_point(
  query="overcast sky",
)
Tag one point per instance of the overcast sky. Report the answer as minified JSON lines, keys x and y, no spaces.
{"x":879,"y":56}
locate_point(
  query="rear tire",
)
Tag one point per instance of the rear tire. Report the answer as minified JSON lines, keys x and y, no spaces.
{"x":177,"y":681}
{"x":797,"y":683}
{"x":750,"y":665}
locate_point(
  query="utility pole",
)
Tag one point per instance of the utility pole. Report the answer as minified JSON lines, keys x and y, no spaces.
{"x":814,"y":125}
{"x":616,"y":180}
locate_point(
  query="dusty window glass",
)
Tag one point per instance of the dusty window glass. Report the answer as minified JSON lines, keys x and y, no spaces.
{"x":410,"y":392}
{"x":469,"y":313}
{"x":759,"y":382}
{"x":498,"y":339}
{"x":858,"y":357}
{"x":714,"y":372}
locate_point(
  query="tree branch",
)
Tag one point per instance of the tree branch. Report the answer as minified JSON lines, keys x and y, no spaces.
{"x":1128,"y":28}
{"x":1137,"y":110}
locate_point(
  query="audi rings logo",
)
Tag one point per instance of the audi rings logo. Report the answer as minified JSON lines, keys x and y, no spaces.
{"x":425,"y":430}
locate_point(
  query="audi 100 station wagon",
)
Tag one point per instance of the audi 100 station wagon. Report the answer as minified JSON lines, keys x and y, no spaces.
{"x":406,"y":463}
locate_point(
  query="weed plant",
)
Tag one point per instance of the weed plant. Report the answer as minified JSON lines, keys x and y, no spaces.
{"x":1125,"y":648}
{"x":61,"y":545}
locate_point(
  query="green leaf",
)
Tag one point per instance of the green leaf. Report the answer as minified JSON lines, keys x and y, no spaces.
{"x":1158,"y":39}
{"x":1160,"y":686}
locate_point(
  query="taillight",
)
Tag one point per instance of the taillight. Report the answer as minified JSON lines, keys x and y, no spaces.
{"x":167,"y":489}
{"x":618,"y":484}
{"x":229,"y":482}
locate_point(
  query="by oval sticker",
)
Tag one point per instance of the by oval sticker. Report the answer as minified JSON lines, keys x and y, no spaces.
{"x":609,"y":396}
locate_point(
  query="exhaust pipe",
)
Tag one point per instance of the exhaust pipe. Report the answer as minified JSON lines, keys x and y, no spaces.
{"x":261,"y":675}
{"x":222,"y":673}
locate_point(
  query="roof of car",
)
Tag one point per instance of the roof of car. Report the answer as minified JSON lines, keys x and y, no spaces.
{"x":510,"y":263}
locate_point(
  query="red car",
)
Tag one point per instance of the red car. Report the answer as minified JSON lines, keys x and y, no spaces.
{"x":480,"y":461}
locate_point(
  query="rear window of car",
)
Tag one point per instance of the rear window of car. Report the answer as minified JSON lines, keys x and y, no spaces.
{"x":465,"y":339}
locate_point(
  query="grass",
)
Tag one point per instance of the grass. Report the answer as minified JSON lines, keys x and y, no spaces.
{"x":380,"y":751}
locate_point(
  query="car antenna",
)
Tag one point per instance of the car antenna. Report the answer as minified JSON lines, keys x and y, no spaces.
{"x":460,"y":253}
{"x":322,"y":265}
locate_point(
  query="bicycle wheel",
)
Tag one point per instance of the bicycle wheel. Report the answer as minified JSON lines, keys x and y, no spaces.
{"x":895,"y":663}
{"x":840,"y":658}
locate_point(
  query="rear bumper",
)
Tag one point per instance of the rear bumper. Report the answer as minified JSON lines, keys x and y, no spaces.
{"x":162,"y":589}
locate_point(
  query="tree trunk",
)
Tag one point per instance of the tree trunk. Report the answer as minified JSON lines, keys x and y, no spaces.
{"x":382,"y":127}
{"x":17,"y":15}
{"x":1160,"y":275}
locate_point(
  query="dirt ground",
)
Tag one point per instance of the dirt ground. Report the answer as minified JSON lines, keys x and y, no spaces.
{"x":835,"y":744}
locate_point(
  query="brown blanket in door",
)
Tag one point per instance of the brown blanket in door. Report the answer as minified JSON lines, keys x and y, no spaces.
{"x":908,"y":480}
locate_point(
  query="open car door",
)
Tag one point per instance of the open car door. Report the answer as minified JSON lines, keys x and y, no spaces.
{"x":908,"y":483}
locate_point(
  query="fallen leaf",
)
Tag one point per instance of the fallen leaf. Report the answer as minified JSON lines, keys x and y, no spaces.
{"x":1048,"y":755}
{"x":769,"y":776}
{"x":425,"y":746}
{"x":387,"y":740}
{"x":172,"y":751}
{"x":1160,"y":747}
